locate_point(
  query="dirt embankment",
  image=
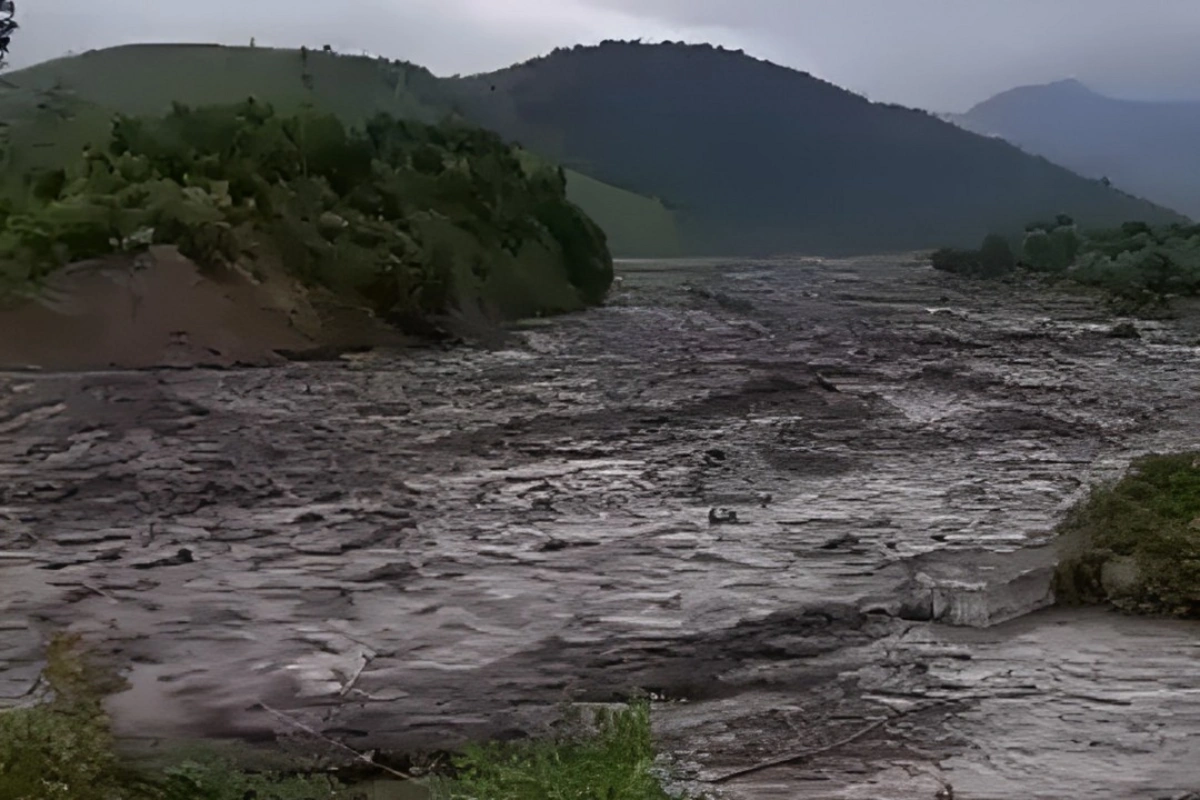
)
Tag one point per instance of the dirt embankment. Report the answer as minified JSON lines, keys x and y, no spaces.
{"x":159,"y":310}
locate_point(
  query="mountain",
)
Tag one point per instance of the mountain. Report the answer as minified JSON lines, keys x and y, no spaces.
{"x":756,"y":157}
{"x":51,"y":110}
{"x":1148,"y":148}
{"x":673,"y":149}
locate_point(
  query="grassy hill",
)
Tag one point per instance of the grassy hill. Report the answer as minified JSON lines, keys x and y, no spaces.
{"x":755,"y":157}
{"x":1146,"y":148}
{"x":54,"y":109}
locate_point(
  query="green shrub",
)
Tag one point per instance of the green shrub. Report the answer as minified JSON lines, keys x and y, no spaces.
{"x":995,"y":256}
{"x":1142,"y":266}
{"x":993,"y":259}
{"x":960,"y":262}
{"x":1050,"y":250}
{"x":1139,"y":266}
{"x":64,"y":750}
{"x":1136,"y":543}
{"x":346,"y":209}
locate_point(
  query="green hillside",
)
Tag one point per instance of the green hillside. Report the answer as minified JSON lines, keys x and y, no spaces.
{"x":758,"y":158}
{"x":147,"y":79}
{"x":54,"y":109}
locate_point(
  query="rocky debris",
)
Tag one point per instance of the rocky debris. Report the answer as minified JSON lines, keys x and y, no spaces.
{"x":507,"y":527}
{"x":722,"y":516}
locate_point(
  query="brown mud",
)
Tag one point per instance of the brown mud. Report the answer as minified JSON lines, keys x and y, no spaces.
{"x":158,"y":309}
{"x":409,"y":549}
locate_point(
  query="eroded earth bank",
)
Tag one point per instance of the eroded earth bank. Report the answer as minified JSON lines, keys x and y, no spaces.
{"x":405,"y":550}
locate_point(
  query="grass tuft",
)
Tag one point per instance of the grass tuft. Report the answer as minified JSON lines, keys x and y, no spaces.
{"x":615,"y":761}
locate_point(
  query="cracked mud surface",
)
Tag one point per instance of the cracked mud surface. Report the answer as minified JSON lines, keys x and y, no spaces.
{"x":409,"y":549}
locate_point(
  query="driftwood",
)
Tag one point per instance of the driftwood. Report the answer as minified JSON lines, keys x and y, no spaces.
{"x":804,"y":755}
{"x":295,"y":723}
{"x":366,"y":659}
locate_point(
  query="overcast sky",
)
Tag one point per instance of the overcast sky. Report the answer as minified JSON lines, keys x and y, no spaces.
{"x":943,"y":55}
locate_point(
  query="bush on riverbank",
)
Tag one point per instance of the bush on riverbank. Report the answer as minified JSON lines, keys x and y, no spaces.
{"x":1136,"y":544}
{"x":63,"y":749}
{"x":1140,"y":267}
{"x":1051,"y":247}
{"x":411,"y":219}
{"x":993,"y":259}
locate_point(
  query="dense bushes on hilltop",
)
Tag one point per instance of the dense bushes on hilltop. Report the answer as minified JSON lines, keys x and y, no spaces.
{"x":413,"y":219}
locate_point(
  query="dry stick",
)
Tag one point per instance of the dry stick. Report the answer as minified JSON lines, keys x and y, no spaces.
{"x":793,"y":758}
{"x":357,"y":674}
{"x":97,"y":590}
{"x":874,"y":726}
{"x":359,"y":756}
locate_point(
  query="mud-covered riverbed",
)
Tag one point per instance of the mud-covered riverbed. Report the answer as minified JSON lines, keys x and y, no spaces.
{"x":409,"y":549}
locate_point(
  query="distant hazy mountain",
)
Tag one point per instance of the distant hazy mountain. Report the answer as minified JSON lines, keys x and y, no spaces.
{"x":1151,"y":149}
{"x":760,"y":158}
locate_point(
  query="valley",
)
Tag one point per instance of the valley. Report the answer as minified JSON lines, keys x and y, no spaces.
{"x":410,"y":549}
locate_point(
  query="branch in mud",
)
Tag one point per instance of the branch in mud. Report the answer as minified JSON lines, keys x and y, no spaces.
{"x":295,"y":723}
{"x":806,"y":754}
{"x":793,"y":758}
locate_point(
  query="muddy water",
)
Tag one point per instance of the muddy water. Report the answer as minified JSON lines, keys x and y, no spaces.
{"x":406,"y":550}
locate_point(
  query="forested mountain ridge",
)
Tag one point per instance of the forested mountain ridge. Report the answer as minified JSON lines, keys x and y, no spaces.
{"x":762,"y":158}
{"x":747,"y":157}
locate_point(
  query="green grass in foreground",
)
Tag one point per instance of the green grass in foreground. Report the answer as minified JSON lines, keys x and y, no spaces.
{"x":64,"y":750}
{"x":616,"y":762}
{"x":1136,"y":543}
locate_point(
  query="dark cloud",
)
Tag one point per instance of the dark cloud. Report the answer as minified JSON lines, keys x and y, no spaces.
{"x":940,"y":54}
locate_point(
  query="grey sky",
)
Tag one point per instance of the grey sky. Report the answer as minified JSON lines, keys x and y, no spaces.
{"x":938,"y":54}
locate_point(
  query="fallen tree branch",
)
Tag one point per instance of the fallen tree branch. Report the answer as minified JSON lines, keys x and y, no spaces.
{"x":364,"y":661}
{"x":804,"y":755}
{"x":793,"y":758}
{"x":295,"y":723}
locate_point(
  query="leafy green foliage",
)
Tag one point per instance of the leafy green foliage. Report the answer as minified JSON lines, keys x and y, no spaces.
{"x":58,"y":107}
{"x":616,"y":763}
{"x":1051,"y":247}
{"x":993,"y":259}
{"x":1151,"y":516}
{"x":1141,"y":265}
{"x":61,"y":750}
{"x":64,"y":750}
{"x":216,"y":781}
{"x":414,"y":220}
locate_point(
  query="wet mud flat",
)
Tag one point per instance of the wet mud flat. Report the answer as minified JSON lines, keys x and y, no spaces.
{"x":405,"y":550}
